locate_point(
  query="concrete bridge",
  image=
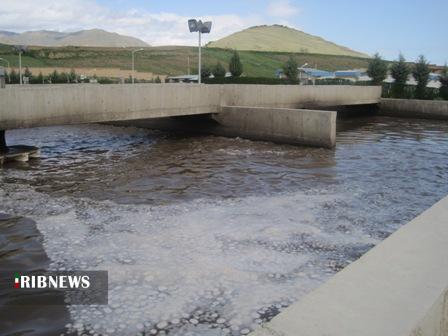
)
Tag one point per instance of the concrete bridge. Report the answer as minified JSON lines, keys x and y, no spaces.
{"x":268,"y":112}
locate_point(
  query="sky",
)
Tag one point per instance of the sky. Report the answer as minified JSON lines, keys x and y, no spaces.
{"x":412,"y":27}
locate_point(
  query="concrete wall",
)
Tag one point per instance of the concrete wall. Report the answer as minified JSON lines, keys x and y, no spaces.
{"x":399,"y":288}
{"x":413,"y":108}
{"x":42,"y":105}
{"x":294,"y":126}
{"x":298,"y":96}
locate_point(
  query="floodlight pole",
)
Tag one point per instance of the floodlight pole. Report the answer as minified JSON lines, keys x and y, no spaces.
{"x":200,"y":63}
{"x":200,"y":27}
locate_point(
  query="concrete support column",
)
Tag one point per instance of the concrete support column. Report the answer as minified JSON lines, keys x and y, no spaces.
{"x":3,"y":147}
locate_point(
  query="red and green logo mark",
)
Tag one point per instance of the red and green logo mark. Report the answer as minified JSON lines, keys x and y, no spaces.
{"x":16,"y":280}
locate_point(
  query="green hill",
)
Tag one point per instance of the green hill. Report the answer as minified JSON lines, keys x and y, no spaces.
{"x":281,"y":38}
{"x":171,"y":60}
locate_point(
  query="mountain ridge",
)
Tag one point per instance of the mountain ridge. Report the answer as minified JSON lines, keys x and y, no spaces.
{"x":82,"y":38}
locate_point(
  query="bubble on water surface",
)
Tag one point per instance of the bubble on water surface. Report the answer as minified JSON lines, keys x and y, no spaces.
{"x":227,"y":265}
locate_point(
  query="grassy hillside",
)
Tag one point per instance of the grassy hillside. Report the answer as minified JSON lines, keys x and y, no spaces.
{"x":171,"y":60}
{"x":281,"y":38}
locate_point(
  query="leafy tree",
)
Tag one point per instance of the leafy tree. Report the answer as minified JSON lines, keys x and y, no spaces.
{"x":290,"y":69}
{"x":421,"y":74}
{"x":444,"y":83}
{"x":54,"y":77}
{"x":14,"y":77}
{"x":64,"y":77}
{"x":158,"y":80}
{"x":235,"y":66}
{"x":37,"y":79}
{"x":205,"y":72}
{"x":377,"y":69}
{"x":400,"y":72}
{"x":40,"y":78}
{"x":28,"y":73}
{"x":73,"y":78}
{"x":219,"y":71}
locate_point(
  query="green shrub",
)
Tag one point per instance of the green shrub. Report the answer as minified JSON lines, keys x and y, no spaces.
{"x":219,"y":71}
{"x":205,"y":72}
{"x":39,"y":79}
{"x":409,"y":92}
{"x":107,"y":80}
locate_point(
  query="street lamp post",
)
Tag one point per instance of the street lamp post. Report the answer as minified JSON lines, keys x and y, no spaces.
{"x":201,"y":28}
{"x":133,"y":57}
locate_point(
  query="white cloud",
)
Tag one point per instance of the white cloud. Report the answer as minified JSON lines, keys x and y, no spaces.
{"x":282,"y":9}
{"x":153,"y":28}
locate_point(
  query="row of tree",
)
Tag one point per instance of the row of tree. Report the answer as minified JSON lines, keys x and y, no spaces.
{"x":400,"y":71}
{"x":63,"y":77}
{"x":55,"y":77}
{"x":218,"y":70}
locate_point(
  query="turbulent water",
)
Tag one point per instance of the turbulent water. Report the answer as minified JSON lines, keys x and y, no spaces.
{"x":206,"y":235}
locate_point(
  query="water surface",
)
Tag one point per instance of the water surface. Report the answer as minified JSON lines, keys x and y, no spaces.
{"x":206,"y":235}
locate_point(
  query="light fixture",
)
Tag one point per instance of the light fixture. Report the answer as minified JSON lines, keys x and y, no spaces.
{"x":201,"y":28}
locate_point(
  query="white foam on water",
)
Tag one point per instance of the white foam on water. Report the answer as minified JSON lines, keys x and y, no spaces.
{"x":202,"y":267}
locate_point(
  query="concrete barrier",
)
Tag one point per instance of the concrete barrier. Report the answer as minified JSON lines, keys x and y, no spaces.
{"x":294,"y":126}
{"x":399,"y":288}
{"x":44,"y":105}
{"x":298,"y":96}
{"x":414,"y":108}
